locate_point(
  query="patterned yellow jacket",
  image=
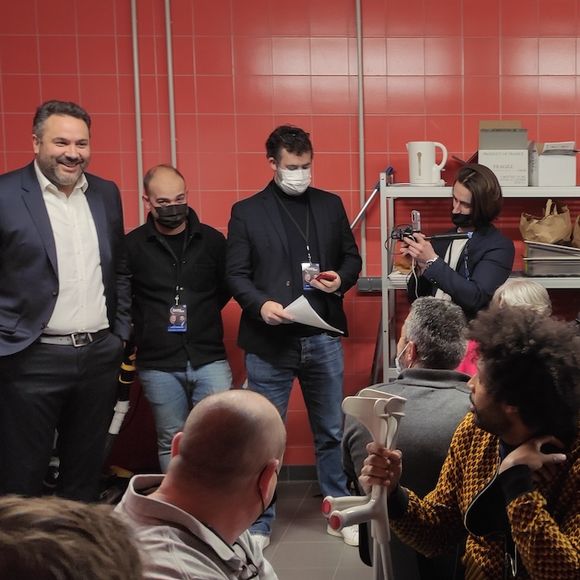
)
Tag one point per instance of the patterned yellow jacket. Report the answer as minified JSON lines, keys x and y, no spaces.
{"x":544,"y":519}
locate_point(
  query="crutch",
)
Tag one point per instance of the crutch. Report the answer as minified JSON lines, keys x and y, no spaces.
{"x":380,"y":413}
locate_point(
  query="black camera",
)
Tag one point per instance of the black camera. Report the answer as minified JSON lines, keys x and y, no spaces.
{"x":402,"y":232}
{"x":407,"y":230}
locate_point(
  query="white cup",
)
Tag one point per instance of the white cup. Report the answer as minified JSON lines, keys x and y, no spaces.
{"x":423,"y":170}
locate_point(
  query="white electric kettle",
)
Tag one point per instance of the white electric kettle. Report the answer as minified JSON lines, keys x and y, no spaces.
{"x":423,"y":170}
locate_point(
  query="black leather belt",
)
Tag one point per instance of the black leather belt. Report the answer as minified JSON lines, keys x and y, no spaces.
{"x":76,"y":339}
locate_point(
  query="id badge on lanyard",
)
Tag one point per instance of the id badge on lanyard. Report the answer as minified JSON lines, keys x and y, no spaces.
{"x":177,"y":315}
{"x":309,"y":271}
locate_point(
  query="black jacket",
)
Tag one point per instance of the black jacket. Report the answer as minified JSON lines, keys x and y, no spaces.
{"x":259,"y":267}
{"x":154,"y":272}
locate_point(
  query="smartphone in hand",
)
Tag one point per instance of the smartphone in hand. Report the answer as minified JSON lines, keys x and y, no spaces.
{"x":326,"y":276}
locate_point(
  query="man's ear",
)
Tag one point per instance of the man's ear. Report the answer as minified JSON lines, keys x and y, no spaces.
{"x":269,"y":473}
{"x":411,"y":353}
{"x":510,"y":410}
{"x":175,"y":443}
{"x":273,"y":164}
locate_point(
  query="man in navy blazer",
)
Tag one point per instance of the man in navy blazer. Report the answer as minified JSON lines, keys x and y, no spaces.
{"x":64,"y":309}
{"x":287,"y":241}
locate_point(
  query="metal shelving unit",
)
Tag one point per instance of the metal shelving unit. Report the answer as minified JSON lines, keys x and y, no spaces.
{"x":394,"y":282}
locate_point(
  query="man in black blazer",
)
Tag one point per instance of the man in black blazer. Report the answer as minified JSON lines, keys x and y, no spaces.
{"x":279,"y":241}
{"x":64,"y":309}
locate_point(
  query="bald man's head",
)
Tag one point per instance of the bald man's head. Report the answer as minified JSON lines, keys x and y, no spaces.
{"x":228,"y":439}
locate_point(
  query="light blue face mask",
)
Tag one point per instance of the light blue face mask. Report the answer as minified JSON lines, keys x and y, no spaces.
{"x":398,"y":364}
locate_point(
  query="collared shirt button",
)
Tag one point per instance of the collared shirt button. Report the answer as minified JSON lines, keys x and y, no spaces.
{"x":287,"y":282}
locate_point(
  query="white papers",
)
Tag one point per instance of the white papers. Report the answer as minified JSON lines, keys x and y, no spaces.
{"x":302,"y":312}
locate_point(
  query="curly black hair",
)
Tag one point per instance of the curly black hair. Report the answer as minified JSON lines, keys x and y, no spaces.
{"x":293,"y":139}
{"x":531,"y":361}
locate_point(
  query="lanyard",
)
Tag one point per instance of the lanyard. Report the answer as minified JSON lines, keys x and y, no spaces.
{"x":305,"y":236}
{"x":179,"y":260}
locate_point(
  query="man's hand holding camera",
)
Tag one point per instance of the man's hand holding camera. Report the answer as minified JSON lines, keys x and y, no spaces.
{"x":418,"y":248}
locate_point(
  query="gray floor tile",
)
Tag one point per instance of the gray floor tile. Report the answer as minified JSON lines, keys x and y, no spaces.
{"x":306,"y":555}
{"x":293,"y":489}
{"x":310,"y":507}
{"x":304,"y":574}
{"x":365,"y":573}
{"x":301,"y":549}
{"x":309,"y":530}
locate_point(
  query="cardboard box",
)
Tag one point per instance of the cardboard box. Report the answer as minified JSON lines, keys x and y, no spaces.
{"x":553,"y":164}
{"x":503,"y":147}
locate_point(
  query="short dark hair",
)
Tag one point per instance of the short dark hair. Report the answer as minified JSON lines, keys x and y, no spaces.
{"x":293,"y":139}
{"x":49,"y":108}
{"x":437,"y":328}
{"x":151,"y":174}
{"x":531,"y":361}
{"x":50,"y":538}
{"x":486,"y":196}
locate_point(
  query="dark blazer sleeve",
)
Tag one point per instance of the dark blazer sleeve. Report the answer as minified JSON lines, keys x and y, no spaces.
{"x":351,"y":262}
{"x":240,"y":258}
{"x":218,"y":246}
{"x":28,"y":263}
{"x":122,"y":324}
{"x":354,"y":441}
{"x":104,"y":200}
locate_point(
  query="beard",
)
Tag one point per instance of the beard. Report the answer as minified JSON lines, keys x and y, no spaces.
{"x":54,"y":172}
{"x":490,"y":418}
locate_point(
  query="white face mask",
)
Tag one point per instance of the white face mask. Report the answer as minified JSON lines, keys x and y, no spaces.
{"x":398,"y":364}
{"x":293,"y":181}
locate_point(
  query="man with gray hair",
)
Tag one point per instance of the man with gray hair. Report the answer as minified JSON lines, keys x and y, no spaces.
{"x":431,"y":345}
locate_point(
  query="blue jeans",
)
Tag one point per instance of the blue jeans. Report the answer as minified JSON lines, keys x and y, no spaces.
{"x":320,"y":370}
{"x":173,"y":394}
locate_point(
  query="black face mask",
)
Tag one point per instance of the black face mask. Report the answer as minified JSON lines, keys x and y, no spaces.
{"x":171,"y":216}
{"x":273,"y":500}
{"x":461,"y":220}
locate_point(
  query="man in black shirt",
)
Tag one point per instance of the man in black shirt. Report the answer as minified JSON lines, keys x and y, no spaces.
{"x":178,"y":267}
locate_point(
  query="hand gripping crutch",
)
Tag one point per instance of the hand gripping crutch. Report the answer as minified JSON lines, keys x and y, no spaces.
{"x":380,"y":413}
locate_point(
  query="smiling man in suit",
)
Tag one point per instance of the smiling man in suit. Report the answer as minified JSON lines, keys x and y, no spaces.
{"x":64,"y":308}
{"x":279,"y":243}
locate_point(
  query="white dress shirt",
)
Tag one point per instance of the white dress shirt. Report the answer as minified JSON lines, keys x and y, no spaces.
{"x":80,"y":305}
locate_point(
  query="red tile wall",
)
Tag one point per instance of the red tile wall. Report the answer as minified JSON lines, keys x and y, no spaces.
{"x":433,"y":69}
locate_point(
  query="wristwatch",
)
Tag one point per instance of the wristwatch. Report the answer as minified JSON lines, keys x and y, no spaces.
{"x":430,"y":261}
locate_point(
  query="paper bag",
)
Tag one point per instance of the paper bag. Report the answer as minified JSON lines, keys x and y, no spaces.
{"x":576,"y":233}
{"x":402,"y":264}
{"x":554,"y":227}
